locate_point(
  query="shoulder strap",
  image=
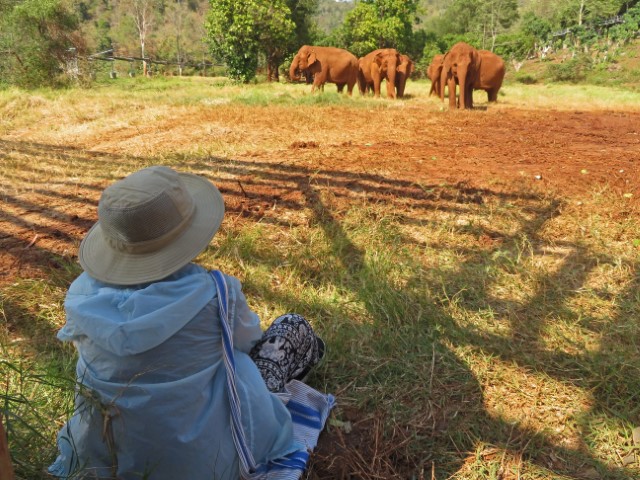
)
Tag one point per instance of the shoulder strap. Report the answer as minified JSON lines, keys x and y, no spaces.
{"x":247,"y":463}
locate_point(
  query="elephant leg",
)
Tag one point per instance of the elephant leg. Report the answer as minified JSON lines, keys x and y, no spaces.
{"x":452,"y":92}
{"x":493,"y":95}
{"x":469,"y":97}
{"x":340,"y":87}
{"x":376,"y":87}
{"x":362,"y":83}
{"x":350,"y":86}
{"x":391,"y":90}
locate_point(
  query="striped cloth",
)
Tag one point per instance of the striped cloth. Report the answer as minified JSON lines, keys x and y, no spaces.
{"x":309,"y":411}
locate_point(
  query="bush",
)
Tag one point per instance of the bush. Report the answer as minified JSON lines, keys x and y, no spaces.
{"x":573,"y":70}
{"x":514,"y":45}
{"x":525,"y":78}
{"x":41,"y":42}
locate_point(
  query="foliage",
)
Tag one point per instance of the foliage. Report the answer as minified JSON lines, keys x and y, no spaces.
{"x":433,"y":46}
{"x":572,"y":70}
{"x":302,"y":15}
{"x":577,"y":12}
{"x":39,"y":41}
{"x":330,"y":15}
{"x":515,"y":45}
{"x":630,"y":28}
{"x":471,"y":38}
{"x":525,"y":78}
{"x":239,"y":30}
{"x":374,"y":24}
{"x":534,"y":26}
{"x":484,"y":18}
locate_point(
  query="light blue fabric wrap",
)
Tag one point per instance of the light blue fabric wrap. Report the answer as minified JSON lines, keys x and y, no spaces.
{"x":150,"y":357}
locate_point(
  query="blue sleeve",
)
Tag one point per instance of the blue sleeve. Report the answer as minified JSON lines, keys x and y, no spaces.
{"x":246,"y":324}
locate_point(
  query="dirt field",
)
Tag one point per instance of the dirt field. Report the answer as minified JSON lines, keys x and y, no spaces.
{"x":271,"y":162}
{"x":397,"y":154}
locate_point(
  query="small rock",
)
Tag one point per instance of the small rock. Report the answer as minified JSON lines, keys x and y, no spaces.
{"x":636,"y":436}
{"x":538,"y":177}
{"x":584,"y":171}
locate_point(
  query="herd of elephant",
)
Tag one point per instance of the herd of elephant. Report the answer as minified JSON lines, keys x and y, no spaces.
{"x":462,"y":65}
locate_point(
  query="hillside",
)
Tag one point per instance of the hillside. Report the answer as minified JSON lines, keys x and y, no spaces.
{"x":622,"y":70}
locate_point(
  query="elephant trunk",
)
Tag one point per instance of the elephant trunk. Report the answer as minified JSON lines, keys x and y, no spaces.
{"x":443,"y":83}
{"x":401,"y":81}
{"x":463,"y":79}
{"x":391,"y":82}
{"x":293,"y":70}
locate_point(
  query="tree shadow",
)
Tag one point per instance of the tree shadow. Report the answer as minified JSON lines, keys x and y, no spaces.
{"x":389,"y":437}
{"x":454,"y":400}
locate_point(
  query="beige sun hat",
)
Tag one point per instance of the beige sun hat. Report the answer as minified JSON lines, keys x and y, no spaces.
{"x":150,"y":224}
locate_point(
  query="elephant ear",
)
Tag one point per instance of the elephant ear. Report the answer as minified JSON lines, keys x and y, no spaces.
{"x":379,"y":58}
{"x":477,"y":57}
{"x":312,"y":57}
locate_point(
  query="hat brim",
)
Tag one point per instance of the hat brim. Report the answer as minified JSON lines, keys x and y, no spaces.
{"x":108,"y":265}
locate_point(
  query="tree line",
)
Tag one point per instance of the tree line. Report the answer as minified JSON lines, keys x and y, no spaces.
{"x":47,"y":42}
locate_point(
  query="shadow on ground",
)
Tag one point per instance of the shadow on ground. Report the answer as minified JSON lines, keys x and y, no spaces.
{"x":386,"y":440}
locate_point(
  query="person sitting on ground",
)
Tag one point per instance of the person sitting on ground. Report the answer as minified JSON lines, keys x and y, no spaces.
{"x":154,"y":378}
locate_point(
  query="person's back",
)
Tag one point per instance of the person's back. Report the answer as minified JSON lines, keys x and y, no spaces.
{"x":152,"y":397}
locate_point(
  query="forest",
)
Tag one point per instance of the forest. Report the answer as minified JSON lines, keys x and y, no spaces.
{"x":54,"y":42}
{"x":474,"y":272}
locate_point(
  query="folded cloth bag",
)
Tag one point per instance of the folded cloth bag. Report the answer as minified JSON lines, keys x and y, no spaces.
{"x":309,"y":411}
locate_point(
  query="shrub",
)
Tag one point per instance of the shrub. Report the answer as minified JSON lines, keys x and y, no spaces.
{"x":40,"y":40}
{"x":525,"y":78}
{"x":573,"y":70}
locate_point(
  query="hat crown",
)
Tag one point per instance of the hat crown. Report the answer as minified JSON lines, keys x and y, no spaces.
{"x":145,"y":211}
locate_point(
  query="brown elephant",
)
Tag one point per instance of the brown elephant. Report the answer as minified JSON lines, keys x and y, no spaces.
{"x":461,"y":66}
{"x":403,"y":72}
{"x":381,"y":64}
{"x":433,"y":72}
{"x":491,"y":75}
{"x":325,"y":64}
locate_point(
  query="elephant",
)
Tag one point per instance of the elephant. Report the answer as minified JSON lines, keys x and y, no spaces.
{"x":325,"y":64}
{"x":461,"y":65}
{"x":403,"y":72}
{"x":381,"y":64}
{"x":492,"y":71}
{"x":433,"y":72}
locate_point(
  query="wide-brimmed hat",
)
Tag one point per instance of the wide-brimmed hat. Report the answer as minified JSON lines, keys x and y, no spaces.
{"x":150,"y":224}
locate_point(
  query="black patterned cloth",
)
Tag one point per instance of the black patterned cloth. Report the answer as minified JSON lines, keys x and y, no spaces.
{"x":287,"y":351}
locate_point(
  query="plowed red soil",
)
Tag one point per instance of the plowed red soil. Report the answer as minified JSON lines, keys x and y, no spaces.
{"x":566,"y":154}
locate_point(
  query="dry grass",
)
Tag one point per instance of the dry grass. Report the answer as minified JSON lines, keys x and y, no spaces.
{"x":474,"y":331}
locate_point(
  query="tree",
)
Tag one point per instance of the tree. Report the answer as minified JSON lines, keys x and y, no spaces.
{"x":374,"y":24}
{"x":484,"y":18}
{"x":39,"y":40}
{"x":177,"y":13}
{"x":577,"y":12}
{"x":143,"y":14}
{"x":496,"y":16}
{"x":239,"y":30}
{"x":302,"y":12}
